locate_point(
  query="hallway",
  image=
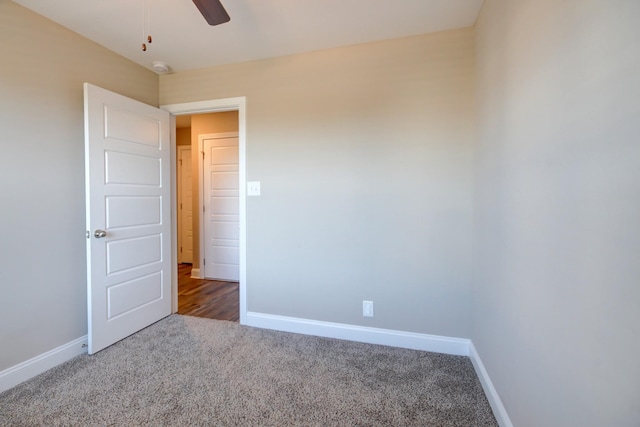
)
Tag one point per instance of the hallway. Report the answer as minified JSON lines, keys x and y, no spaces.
{"x":211,"y":299}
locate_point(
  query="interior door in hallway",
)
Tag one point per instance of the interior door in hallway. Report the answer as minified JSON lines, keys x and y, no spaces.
{"x":128,"y":197}
{"x":185,"y":206}
{"x":221,"y":208}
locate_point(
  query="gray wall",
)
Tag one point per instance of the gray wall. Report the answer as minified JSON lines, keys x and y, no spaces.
{"x":42,"y":220}
{"x":557,"y":260}
{"x":365,"y":159}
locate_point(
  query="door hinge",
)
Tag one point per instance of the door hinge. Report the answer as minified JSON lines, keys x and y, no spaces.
{"x":204,"y":261}
{"x":180,"y":249}
{"x":88,"y":234}
{"x":180,"y":205}
{"x":180,"y":162}
{"x":203,"y":208}
{"x":202,"y":155}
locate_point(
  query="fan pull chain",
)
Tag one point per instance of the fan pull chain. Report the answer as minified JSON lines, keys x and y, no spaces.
{"x":145,"y":25}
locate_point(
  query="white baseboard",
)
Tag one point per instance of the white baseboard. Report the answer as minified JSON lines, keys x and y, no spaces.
{"x":412,"y":340}
{"x":13,"y":376}
{"x":195,"y":273}
{"x":448,"y":345}
{"x":498,"y":408}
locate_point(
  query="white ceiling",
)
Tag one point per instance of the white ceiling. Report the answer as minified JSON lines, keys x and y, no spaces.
{"x":258,"y":28}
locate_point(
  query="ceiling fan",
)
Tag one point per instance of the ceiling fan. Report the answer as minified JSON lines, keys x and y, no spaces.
{"x":213,"y":11}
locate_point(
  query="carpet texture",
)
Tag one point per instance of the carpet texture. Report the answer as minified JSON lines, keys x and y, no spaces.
{"x":190,"y":371}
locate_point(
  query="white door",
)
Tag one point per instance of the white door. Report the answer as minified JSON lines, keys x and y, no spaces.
{"x":185,"y":206}
{"x":221,"y":209}
{"x":128,"y":199}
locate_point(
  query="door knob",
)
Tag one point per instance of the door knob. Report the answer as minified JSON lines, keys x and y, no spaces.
{"x":99,"y":233}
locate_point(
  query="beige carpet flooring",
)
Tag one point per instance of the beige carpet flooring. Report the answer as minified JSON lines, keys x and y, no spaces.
{"x":186,"y":371}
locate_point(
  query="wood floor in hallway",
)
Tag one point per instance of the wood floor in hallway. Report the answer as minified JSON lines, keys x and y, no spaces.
{"x":212,"y":299}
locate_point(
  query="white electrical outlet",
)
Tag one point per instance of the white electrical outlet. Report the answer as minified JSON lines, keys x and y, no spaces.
{"x":253,"y":188}
{"x":367,"y":308}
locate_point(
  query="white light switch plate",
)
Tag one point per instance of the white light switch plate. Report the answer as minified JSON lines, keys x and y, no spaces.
{"x":253,"y":188}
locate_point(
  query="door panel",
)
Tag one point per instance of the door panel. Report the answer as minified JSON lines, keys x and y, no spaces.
{"x":123,"y":168}
{"x":226,"y":254}
{"x":133,"y":211}
{"x":224,"y":181}
{"x":185,"y":208}
{"x":133,"y":253}
{"x":223,"y":229}
{"x":133,"y":294}
{"x":221,"y":219}
{"x":131,"y":126}
{"x":222,"y":205}
{"x":127,"y":194}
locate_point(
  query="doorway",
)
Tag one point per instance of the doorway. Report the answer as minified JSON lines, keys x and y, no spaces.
{"x":208,"y":215}
{"x":192,"y":276}
{"x":208,"y":280}
{"x":211,"y":299}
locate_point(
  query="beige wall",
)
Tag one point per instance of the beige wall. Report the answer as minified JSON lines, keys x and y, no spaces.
{"x":204,"y":124}
{"x":365,"y":155}
{"x":365,"y":159}
{"x":183,"y":136}
{"x":557,"y":277}
{"x":42,"y":220}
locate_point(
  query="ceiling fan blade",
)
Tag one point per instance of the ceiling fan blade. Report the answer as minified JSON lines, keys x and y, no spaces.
{"x":213,"y":11}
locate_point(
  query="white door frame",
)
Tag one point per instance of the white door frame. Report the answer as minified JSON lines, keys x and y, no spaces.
{"x":201,"y":138}
{"x":180,"y":149}
{"x":215,"y":106}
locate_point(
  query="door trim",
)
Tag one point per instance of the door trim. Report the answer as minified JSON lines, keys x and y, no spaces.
{"x":179,"y":182}
{"x":201,"y":138}
{"x":213,"y":106}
